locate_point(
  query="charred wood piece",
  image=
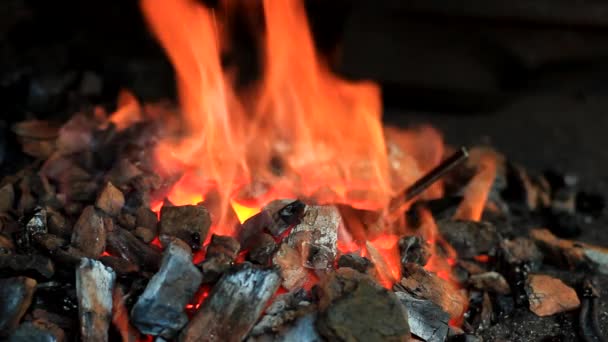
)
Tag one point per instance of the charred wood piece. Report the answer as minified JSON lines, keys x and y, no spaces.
{"x":414,"y":249}
{"x":90,"y":232}
{"x":426,"y":285}
{"x":285,"y":309}
{"x":426,"y":319}
{"x":7,"y":197}
{"x":284,"y":213}
{"x":289,"y":262}
{"x":120,"y":317}
{"x":315,"y":237}
{"x":261,"y":249}
{"x":121,"y":266}
{"x":122,"y":243}
{"x":34,"y":226}
{"x":94,"y":286}
{"x":233,"y":306}
{"x":15,"y":298}
{"x":189,"y":223}
{"x":110,"y":200}
{"x":221,"y":254}
{"x":160,"y":310}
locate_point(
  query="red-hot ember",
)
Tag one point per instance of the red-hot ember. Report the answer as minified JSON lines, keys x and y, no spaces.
{"x":300,"y":132}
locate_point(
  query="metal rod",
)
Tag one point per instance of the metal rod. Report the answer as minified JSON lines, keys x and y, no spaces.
{"x":428,"y":179}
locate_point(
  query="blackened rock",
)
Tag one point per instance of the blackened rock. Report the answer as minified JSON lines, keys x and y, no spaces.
{"x":355,"y":262}
{"x":253,"y":227}
{"x":34,"y":265}
{"x":38,"y":331}
{"x":94,"y":286}
{"x":426,"y":319}
{"x":57,"y":224}
{"x":414,"y":249}
{"x":160,"y":310}
{"x":145,"y":234}
{"x":90,"y":233}
{"x":563,"y":224}
{"x":470,"y":238}
{"x":189,"y":223}
{"x":6,"y":245}
{"x":284,"y":213}
{"x":520,"y":250}
{"x":364,"y":311}
{"x":15,"y":298}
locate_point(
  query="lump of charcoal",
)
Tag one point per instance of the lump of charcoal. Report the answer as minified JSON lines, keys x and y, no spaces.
{"x":57,"y":224}
{"x":261,"y":249}
{"x":284,"y":309}
{"x":426,"y":285}
{"x":221,"y":253}
{"x":121,"y":266}
{"x":426,"y":319}
{"x":548,"y":295}
{"x":145,"y":217}
{"x":37,"y":331}
{"x":94,"y":286}
{"x":160,"y":310}
{"x":355,"y":262}
{"x":252,"y":228}
{"x":233,"y":306}
{"x":146,"y":235}
{"x":284,"y":213}
{"x":123,"y":244}
{"x":189,"y":223}
{"x":470,"y":238}
{"x":110,"y":200}
{"x":414,"y":249}
{"x":490,"y":282}
{"x":34,"y":265}
{"x":90,"y":232}
{"x":15,"y":298}
{"x":289,"y":263}
{"x":126,"y":220}
{"x":360,"y":310}
{"x":316,"y":236}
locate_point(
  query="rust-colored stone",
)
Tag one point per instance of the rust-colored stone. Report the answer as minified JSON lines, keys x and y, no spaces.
{"x":548,"y":295}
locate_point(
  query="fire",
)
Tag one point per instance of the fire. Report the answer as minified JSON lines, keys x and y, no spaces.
{"x":300,"y":132}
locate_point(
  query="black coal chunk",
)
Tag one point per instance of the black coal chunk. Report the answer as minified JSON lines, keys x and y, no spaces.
{"x":426,"y":319}
{"x":159,"y":311}
{"x":15,"y":297}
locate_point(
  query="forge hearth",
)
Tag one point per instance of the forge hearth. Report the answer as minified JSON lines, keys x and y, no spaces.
{"x":281,"y":211}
